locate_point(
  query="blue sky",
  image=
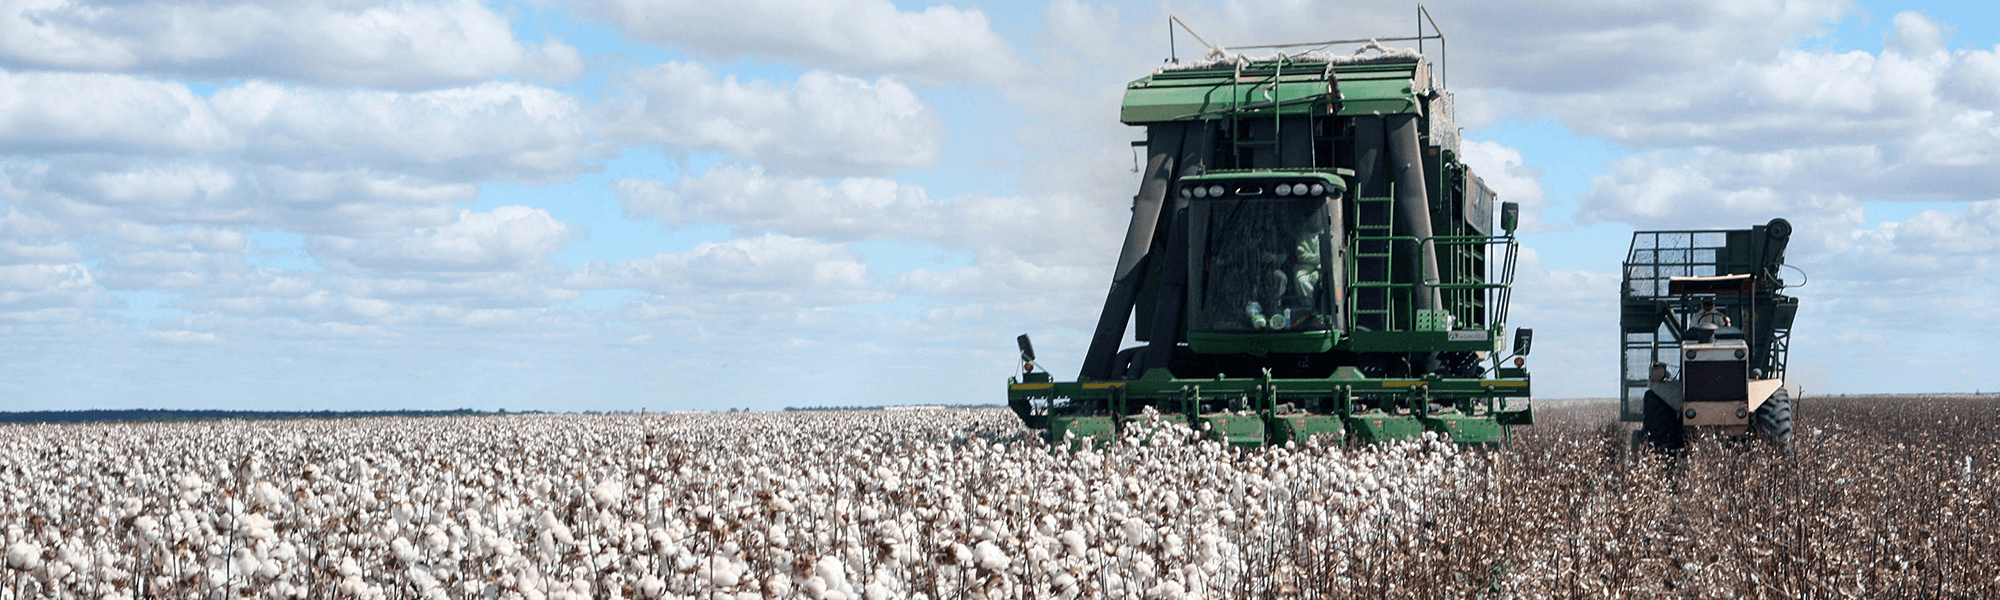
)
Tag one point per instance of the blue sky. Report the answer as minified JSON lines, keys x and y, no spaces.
{"x":614,"y":204}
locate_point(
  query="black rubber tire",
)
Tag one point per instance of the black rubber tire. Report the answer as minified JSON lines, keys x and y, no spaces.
{"x":1774,"y":419}
{"x":1662,"y":424}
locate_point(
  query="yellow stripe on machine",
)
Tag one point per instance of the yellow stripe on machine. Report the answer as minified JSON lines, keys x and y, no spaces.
{"x":1404,"y":383}
{"x":1099,"y":386}
{"x":1031,"y":386}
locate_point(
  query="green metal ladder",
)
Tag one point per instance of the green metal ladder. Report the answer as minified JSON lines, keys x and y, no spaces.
{"x":1373,"y":251}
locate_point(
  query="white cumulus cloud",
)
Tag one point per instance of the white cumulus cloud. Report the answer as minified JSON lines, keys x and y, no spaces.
{"x":822,"y":123}
{"x":507,"y":238}
{"x":936,"y":44}
{"x":395,"y":44}
{"x":863,"y":208}
{"x":763,"y":272}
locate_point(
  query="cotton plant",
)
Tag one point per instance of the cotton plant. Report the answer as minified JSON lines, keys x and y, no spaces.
{"x":848,"y":505}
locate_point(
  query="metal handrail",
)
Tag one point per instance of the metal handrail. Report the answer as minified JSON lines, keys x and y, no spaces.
{"x":1496,"y":310}
{"x":1423,"y":16}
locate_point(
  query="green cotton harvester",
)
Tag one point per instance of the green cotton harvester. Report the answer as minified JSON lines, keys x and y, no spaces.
{"x":1307,"y":256}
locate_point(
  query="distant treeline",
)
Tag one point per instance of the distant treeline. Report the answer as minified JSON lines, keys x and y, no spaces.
{"x":142,"y":415}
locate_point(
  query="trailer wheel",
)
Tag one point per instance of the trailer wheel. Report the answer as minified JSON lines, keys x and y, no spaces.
{"x":1662,"y":424}
{"x":1774,"y":419}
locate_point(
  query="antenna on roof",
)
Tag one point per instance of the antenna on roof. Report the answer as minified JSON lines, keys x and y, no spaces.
{"x":1173,"y":55}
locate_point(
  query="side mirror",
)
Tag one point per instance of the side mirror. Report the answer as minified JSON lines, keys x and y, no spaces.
{"x":1523,"y":339}
{"x":1027,"y":348}
{"x":1510,"y":217}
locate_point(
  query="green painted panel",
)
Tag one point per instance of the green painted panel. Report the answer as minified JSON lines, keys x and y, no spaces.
{"x":1149,"y":103}
{"x":1418,"y":341}
{"x":1302,"y":427}
{"x":1303,"y":87}
{"x":1466,"y":429}
{"x":1384,"y":96}
{"x":1234,"y":429}
{"x":1376,"y":427}
{"x":1097,"y":431}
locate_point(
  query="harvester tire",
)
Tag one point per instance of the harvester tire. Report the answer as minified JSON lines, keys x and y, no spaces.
{"x":1774,"y":419}
{"x":1662,"y":424}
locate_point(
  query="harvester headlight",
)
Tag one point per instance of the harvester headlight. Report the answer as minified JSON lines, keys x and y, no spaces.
{"x":1520,"y":362}
{"x":1318,"y":189}
{"x":1692,"y":354}
{"x":1689,"y":413}
{"x":1300,"y":189}
{"x":1284,"y":190}
{"x":1741,"y":414}
{"x":1215,"y":190}
{"x":1187,"y":191}
{"x":1200,"y":192}
{"x":1739,"y":354}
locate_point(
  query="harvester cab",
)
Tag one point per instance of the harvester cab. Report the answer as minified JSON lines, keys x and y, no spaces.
{"x":1706,"y":333}
{"x":1307,"y":256}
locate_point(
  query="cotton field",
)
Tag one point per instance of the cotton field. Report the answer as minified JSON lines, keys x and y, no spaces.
{"x":921,"y":504}
{"x":966,"y":504}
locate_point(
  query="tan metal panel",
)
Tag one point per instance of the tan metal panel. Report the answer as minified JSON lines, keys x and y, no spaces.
{"x":1761,"y":390}
{"x":1715,"y":413}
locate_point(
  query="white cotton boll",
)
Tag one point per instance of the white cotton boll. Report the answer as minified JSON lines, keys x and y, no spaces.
{"x":721,"y":572}
{"x":1073,"y":542}
{"x":961,"y":554}
{"x":26,"y":556}
{"x":244,"y":563}
{"x":557,"y":529}
{"x":779,"y":585}
{"x":991,"y":558}
{"x":404,"y":551}
{"x":546,"y":542}
{"x":270,"y":569}
{"x":1137,"y":532}
{"x":610,"y":492}
{"x":267,"y":495}
{"x":255,"y":526}
{"x":423,"y":579}
{"x":651,"y":587}
{"x":832,"y":572}
{"x":148,"y":527}
{"x":1168,"y":590}
{"x":877,"y":591}
{"x":436,"y":541}
{"x":1065,"y":585}
{"x":348,"y":568}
